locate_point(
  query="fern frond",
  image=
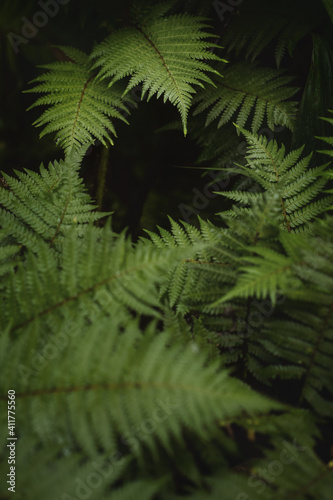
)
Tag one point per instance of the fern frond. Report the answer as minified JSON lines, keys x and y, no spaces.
{"x":270,"y":274}
{"x":182,"y":237}
{"x":249,"y":90}
{"x":128,"y":360}
{"x":199,"y":282}
{"x":289,"y":176}
{"x":165,"y":53}
{"x":80,"y":109}
{"x":112,"y":378}
{"x":44,"y":206}
{"x":93,"y":265}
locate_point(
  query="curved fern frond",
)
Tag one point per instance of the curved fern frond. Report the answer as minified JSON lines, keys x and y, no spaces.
{"x":299,"y":186}
{"x":42,"y":207}
{"x":80,"y":109}
{"x":249,"y":90}
{"x":165,"y":53}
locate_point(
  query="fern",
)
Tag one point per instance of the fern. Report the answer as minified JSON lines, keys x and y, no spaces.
{"x":268,"y":276}
{"x":250,"y":262}
{"x":92,"y":264}
{"x":179,"y":237}
{"x":128,"y":394}
{"x":190,"y":363}
{"x":248,"y":90}
{"x":288,"y":175}
{"x":80,"y":109}
{"x":45,"y":206}
{"x":165,"y":53}
{"x":113,"y":400}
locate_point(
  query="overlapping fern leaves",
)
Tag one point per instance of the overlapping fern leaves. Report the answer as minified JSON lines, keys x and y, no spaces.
{"x":118,"y":351}
{"x":266,"y":264}
{"x":300,"y":187}
{"x":137,"y":386}
{"x":296,"y":341}
{"x":99,"y":373}
{"x":49,"y":215}
{"x":43,"y":206}
{"x":166,"y":54}
{"x":264,"y":298}
{"x":84,"y":96}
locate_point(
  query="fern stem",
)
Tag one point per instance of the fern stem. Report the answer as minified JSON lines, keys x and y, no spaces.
{"x":79,"y":107}
{"x":60,"y":221}
{"x":102,"y":170}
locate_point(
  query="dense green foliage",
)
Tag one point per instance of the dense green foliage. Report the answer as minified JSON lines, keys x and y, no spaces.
{"x":195,"y":362}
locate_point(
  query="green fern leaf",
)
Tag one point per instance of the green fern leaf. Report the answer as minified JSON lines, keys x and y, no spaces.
{"x":80,"y":109}
{"x":150,"y":379}
{"x":44,"y":206}
{"x":270,"y":273}
{"x":289,"y":176}
{"x":164,"y":53}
